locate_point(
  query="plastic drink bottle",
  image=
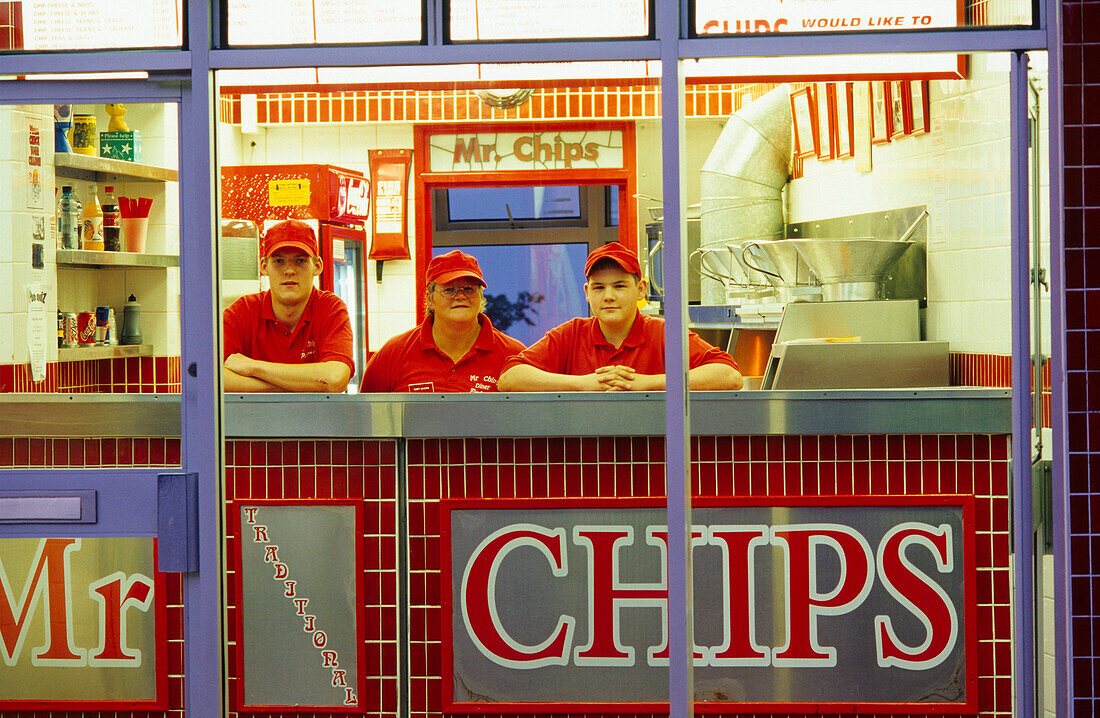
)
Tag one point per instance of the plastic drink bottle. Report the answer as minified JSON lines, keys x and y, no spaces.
{"x":112,"y":238}
{"x":69,"y":220}
{"x":93,"y":222}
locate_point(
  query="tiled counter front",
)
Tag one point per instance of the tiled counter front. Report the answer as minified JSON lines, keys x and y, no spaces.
{"x":105,"y":453}
{"x":723,"y":466}
{"x":363,"y":470}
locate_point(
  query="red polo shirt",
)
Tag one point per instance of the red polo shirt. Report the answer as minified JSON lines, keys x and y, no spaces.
{"x":578,"y":347}
{"x":323,"y":333}
{"x":412,"y":362}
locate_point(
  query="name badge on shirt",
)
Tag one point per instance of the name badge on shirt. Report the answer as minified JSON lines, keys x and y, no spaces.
{"x":422,"y":386}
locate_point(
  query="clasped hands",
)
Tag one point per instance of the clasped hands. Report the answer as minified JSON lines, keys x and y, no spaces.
{"x":616,"y":377}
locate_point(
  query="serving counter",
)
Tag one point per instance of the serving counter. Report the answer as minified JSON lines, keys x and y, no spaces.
{"x":416,"y":470}
{"x":959,"y":410}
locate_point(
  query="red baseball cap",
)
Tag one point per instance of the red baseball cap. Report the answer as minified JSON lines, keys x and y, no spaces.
{"x":618,"y":254}
{"x":451,"y":266}
{"x":291,"y":233}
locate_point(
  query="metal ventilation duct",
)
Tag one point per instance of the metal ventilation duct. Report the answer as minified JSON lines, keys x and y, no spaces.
{"x":742,"y":182}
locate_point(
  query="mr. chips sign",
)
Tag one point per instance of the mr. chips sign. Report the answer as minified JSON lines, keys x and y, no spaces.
{"x":566,"y":602}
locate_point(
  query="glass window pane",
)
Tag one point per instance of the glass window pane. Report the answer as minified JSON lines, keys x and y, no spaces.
{"x":474,"y":204}
{"x":541,"y":20}
{"x":56,"y":25}
{"x":319,"y":22}
{"x":92,"y":248}
{"x":531,"y":288}
{"x":738,"y":16}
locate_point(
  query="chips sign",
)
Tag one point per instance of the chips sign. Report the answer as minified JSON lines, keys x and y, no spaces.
{"x":799,"y":604}
{"x":81,"y":624}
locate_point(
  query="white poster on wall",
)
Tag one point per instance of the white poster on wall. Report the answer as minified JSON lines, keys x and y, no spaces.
{"x":38,"y":334}
{"x":35,"y":153}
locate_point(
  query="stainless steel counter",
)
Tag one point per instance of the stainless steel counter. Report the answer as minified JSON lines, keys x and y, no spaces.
{"x":961,"y":410}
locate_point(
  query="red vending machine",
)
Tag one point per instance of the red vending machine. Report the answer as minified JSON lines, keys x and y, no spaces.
{"x":336,"y":201}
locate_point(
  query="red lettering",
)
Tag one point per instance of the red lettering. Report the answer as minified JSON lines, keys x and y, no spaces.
{"x":281,"y":571}
{"x":921,"y":596}
{"x":320,"y":639}
{"x":607,"y":595}
{"x":467,"y":151}
{"x":271,"y":554}
{"x":804,"y":599}
{"x":591,"y":151}
{"x":329,"y":659}
{"x":301,"y":603}
{"x":259,"y":534}
{"x":116,"y":594}
{"x":51,"y":561}
{"x":518,"y":150}
{"x":338,"y":678}
{"x":573,"y":151}
{"x":349,"y":697}
{"x":250,"y":513}
{"x":309,"y":621}
{"x":739,"y":647}
{"x":289,"y":593}
{"x":479,"y":598}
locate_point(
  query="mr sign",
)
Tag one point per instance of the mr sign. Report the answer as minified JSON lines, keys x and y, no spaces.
{"x":566,"y":602}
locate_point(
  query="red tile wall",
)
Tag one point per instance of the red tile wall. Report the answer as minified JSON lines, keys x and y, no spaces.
{"x":1081,"y":185}
{"x":120,"y":375}
{"x":721,"y":466}
{"x":364,"y":470}
{"x":28,"y":453}
{"x":994,"y":370}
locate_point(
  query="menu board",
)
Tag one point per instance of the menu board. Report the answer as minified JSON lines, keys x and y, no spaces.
{"x":308,"y":22}
{"x":548,"y":19}
{"x":732,"y":16}
{"x":93,"y":24}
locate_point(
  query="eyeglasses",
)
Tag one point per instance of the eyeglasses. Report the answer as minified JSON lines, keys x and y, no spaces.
{"x":453,"y":292}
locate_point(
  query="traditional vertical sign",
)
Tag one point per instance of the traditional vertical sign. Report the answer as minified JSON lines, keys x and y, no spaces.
{"x":389,"y":175}
{"x":82,"y":623}
{"x":299,"y":628}
{"x":801,"y":605}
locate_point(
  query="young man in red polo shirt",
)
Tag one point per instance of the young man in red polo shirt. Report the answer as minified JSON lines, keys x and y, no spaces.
{"x":455,"y":348}
{"x":617,"y":348}
{"x":293,"y":337}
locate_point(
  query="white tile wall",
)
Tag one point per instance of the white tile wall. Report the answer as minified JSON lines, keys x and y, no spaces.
{"x":968,"y":262}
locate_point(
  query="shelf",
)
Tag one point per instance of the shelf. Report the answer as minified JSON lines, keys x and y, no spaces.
{"x":88,"y":353}
{"x":103,"y":169}
{"x":88,"y":258}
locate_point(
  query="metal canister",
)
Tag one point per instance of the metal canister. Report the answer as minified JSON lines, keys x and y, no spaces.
{"x":102,"y":317}
{"x":85,"y":329}
{"x":70,"y":322}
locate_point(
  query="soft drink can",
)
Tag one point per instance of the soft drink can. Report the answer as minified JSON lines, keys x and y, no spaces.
{"x":102,"y":316}
{"x":70,"y":339}
{"x":85,"y":329}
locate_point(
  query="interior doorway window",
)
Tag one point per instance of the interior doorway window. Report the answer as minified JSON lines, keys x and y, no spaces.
{"x":530,"y":207}
{"x":532,"y":287}
{"x":531,"y":242}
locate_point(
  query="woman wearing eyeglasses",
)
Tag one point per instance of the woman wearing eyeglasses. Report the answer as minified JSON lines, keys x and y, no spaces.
{"x":455,"y":348}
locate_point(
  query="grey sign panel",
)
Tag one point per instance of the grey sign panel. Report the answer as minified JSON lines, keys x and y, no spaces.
{"x":78,"y":622}
{"x":299,"y":620}
{"x":798,"y":604}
